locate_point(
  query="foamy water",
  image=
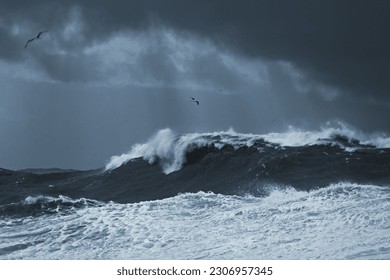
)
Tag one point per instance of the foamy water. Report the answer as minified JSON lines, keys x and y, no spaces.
{"x":342,"y":221}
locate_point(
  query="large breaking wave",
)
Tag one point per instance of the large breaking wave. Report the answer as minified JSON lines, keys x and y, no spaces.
{"x":171,"y":150}
{"x":223,"y":195}
{"x":228,"y":163}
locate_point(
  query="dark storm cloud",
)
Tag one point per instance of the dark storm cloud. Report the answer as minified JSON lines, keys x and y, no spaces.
{"x":342,"y":43}
{"x":111,"y":73}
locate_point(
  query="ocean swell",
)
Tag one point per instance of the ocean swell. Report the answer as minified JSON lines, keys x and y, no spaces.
{"x":171,"y":150}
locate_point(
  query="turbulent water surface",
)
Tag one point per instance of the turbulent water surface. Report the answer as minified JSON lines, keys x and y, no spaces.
{"x":294,"y":195}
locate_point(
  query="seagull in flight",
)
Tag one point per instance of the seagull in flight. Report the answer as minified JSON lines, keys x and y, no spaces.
{"x":36,"y":37}
{"x":194,"y":100}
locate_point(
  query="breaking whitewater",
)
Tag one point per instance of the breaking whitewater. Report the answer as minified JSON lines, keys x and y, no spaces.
{"x":224,"y":195}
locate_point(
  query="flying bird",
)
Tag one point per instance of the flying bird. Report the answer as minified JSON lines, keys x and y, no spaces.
{"x":36,"y":37}
{"x":194,"y":100}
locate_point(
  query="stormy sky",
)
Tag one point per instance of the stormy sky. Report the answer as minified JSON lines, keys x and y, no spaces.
{"x":109,"y":74}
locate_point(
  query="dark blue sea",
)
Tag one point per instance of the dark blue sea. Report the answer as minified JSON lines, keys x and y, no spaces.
{"x":224,"y":195}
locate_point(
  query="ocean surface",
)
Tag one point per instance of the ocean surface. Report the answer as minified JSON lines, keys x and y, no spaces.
{"x":224,"y":195}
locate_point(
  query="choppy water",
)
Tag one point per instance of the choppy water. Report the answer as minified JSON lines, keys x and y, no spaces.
{"x":207,"y":196}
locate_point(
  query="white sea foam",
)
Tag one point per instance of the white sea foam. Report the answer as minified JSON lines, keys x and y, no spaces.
{"x":295,"y":137}
{"x":342,"y":221}
{"x":171,"y":149}
{"x":60,"y":199}
{"x":166,"y":146}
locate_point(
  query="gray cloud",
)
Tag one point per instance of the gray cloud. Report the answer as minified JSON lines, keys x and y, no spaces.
{"x":342,"y":43}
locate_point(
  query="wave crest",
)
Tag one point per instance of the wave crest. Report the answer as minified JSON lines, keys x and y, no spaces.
{"x":166,"y":147}
{"x":170,"y":150}
{"x":37,"y":205}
